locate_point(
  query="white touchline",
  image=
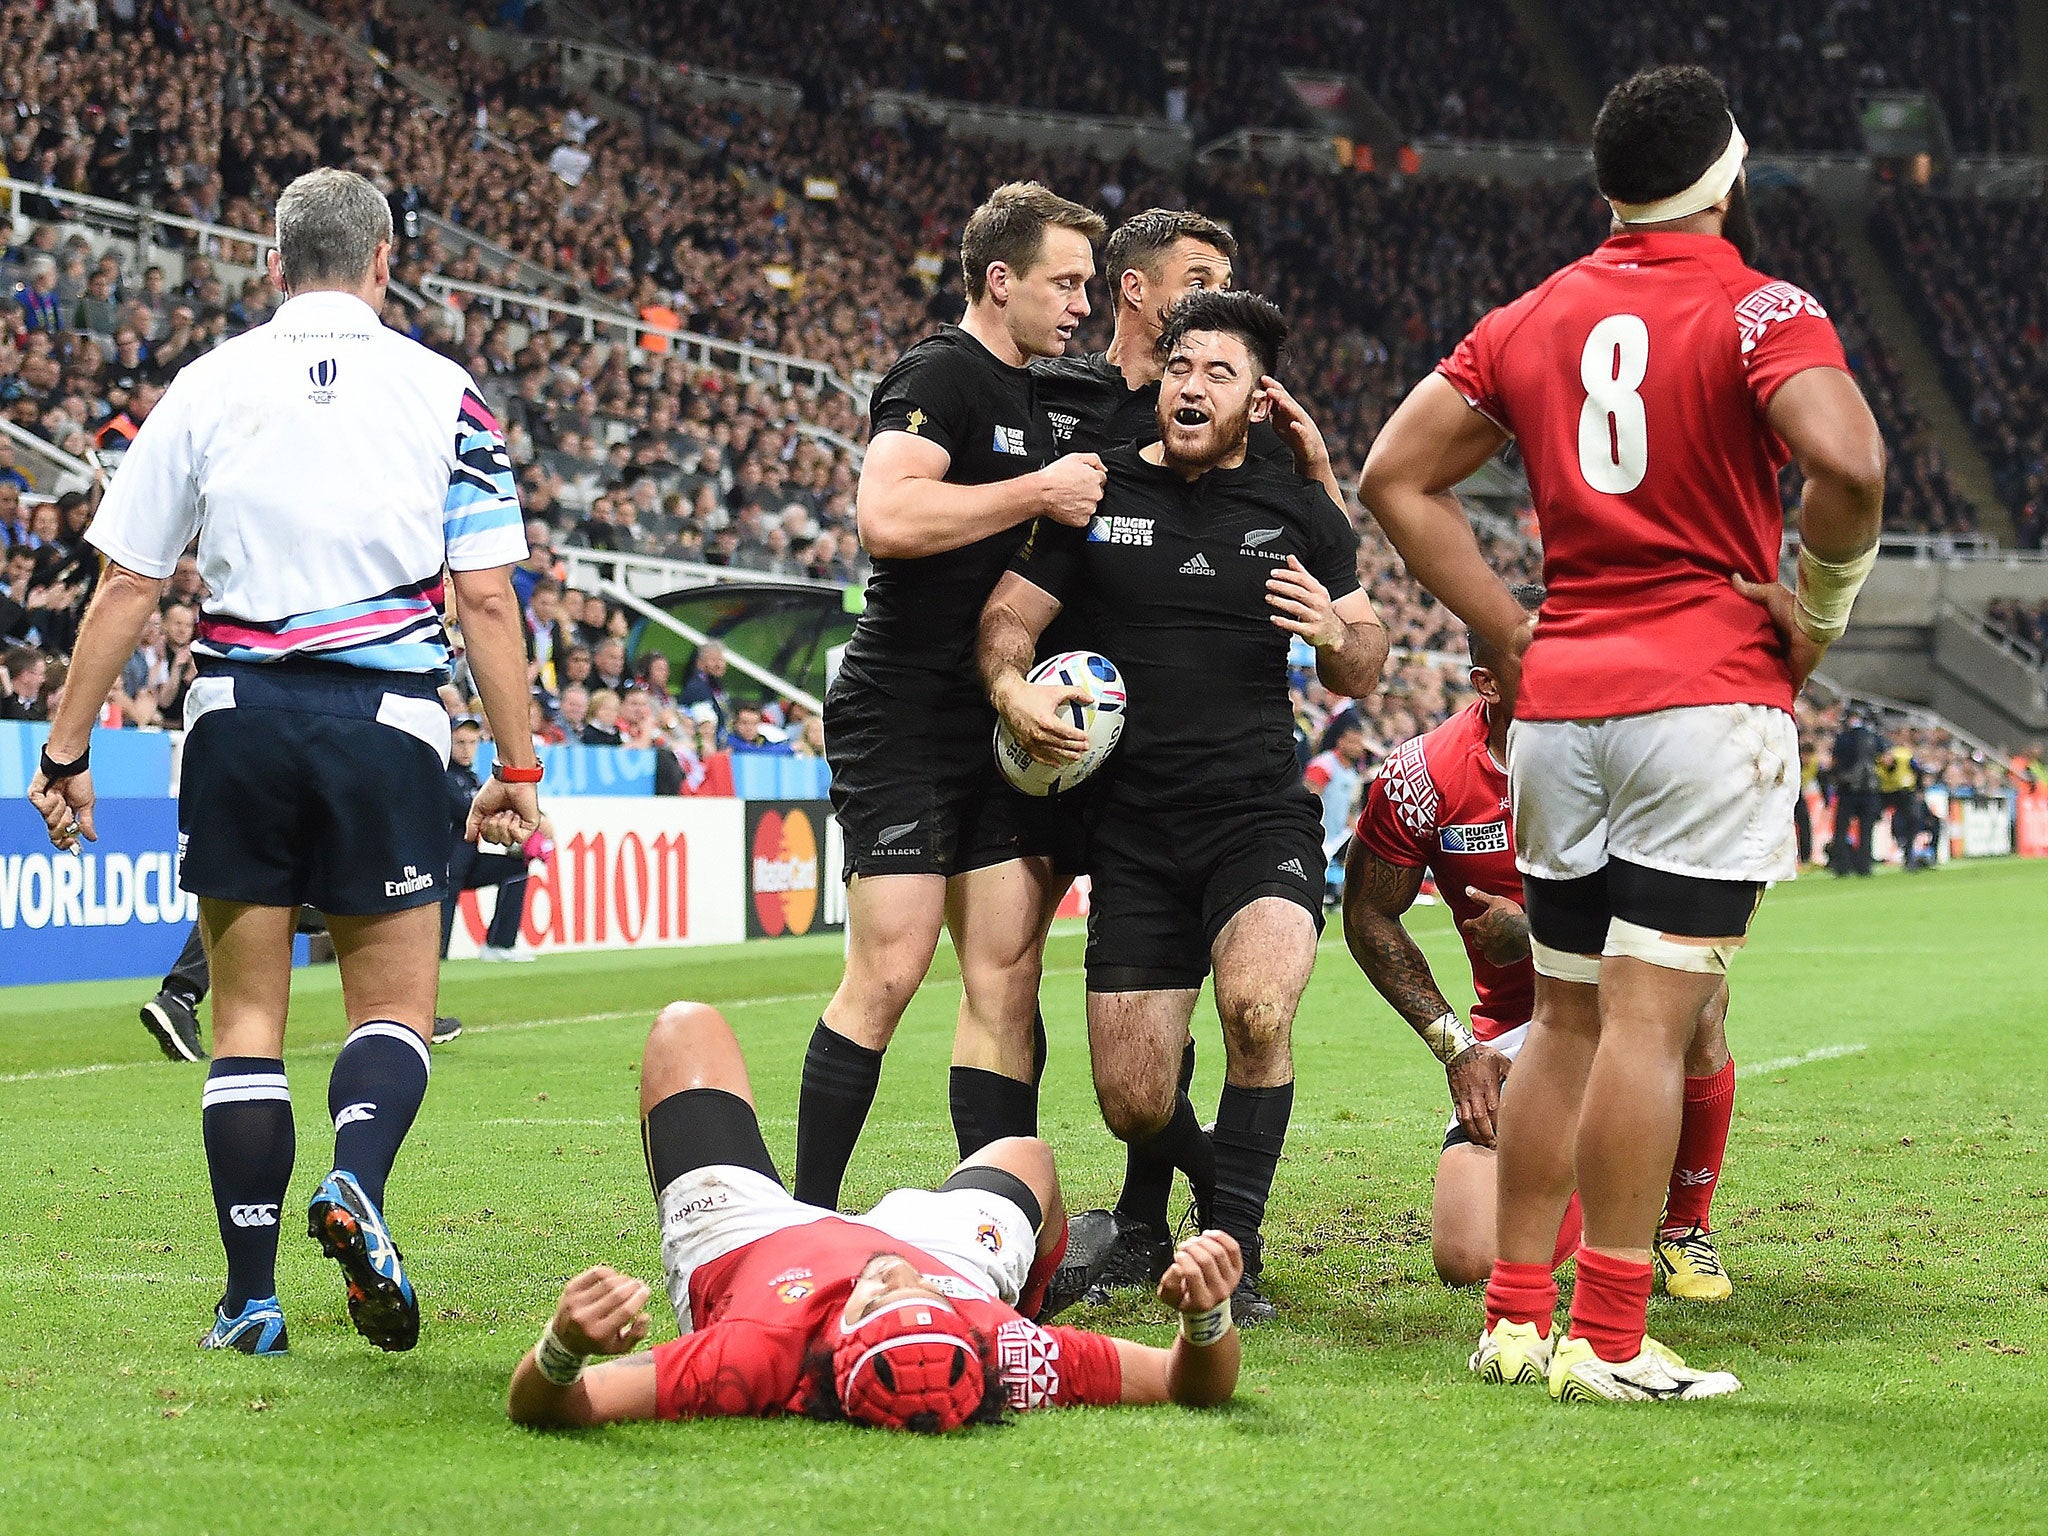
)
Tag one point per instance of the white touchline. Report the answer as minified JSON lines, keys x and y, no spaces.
{"x":1780,"y":1063}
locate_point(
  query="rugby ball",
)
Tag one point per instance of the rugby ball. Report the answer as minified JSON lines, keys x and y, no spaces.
{"x":1102,"y":718}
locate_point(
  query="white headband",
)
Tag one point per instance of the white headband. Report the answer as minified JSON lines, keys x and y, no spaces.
{"x":1712,"y":186}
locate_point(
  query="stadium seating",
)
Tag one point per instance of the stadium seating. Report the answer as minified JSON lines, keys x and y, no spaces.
{"x":1972,"y":269}
{"x":1795,"y":67}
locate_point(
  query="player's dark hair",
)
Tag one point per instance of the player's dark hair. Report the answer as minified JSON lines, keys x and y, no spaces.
{"x":821,"y":1391}
{"x":1658,"y":131}
{"x":1530,"y":595}
{"x":1139,"y":242}
{"x":1010,"y":227}
{"x":1250,"y":317}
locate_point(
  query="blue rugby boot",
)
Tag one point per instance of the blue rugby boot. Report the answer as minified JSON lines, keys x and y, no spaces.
{"x":258,"y":1330}
{"x":350,"y":1230}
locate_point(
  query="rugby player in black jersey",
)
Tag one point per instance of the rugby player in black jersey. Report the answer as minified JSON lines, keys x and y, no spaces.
{"x":960,"y":461}
{"x":1102,"y":400}
{"x":1204,"y":849}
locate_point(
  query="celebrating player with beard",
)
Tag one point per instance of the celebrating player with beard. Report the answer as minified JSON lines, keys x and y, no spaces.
{"x":1439,"y":807}
{"x":1656,"y":388}
{"x":1106,"y":400}
{"x":1203,"y":847}
{"x":959,"y":463}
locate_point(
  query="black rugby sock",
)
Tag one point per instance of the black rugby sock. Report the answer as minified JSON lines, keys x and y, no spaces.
{"x":839,"y":1083}
{"x":1251,"y":1128}
{"x":988,"y":1106}
{"x":246,"y":1115}
{"x":1183,"y":1144}
{"x":374,"y":1093}
{"x":1149,"y":1164}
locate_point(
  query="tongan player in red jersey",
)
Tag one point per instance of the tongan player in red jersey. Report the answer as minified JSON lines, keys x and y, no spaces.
{"x":1440,"y":806}
{"x":1656,"y":387}
{"x":919,"y":1315}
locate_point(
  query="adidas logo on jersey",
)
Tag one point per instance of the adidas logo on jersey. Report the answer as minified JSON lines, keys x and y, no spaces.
{"x":1293,"y":867}
{"x":1199,"y":566}
{"x":253,"y":1215}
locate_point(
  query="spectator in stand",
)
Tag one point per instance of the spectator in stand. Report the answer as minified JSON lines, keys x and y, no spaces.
{"x":749,"y":733}
{"x":181,"y":670}
{"x":14,"y":519}
{"x":574,"y":711}
{"x":608,"y":666}
{"x":546,"y":636}
{"x":40,"y":306}
{"x":602,"y":728}
{"x":469,"y":867}
{"x":705,"y":686}
{"x":23,"y":700}
{"x":539,"y":564}
{"x":119,"y":432}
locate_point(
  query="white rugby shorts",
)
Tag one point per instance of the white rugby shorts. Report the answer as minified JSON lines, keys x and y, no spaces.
{"x":1706,"y":790}
{"x":985,"y":1240}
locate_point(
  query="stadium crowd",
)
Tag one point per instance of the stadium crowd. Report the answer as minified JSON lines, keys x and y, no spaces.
{"x":641,"y":451}
{"x":1794,"y":70}
{"x":2026,"y":622}
{"x":1972,"y":271}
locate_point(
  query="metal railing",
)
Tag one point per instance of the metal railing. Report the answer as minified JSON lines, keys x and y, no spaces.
{"x":1982,"y":625}
{"x":545,"y":279}
{"x":654,"y":576}
{"x":1915,"y":714}
{"x":736,"y":357}
{"x":1152,"y":138}
{"x":585,"y":60}
{"x":49,"y":453}
{"x":133,"y":220}
{"x":1941,"y":549}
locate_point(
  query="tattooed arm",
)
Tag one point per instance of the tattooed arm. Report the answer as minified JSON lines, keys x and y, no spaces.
{"x":1376,"y":894}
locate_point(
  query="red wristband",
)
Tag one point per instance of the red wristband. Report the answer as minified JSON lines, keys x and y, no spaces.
{"x":506,"y":775}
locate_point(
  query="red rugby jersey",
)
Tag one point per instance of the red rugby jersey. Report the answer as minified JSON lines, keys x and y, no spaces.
{"x":1440,"y":803}
{"x":1636,"y":381}
{"x":762,"y":1308}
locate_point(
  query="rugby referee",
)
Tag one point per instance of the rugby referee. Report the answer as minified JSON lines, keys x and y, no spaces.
{"x":330,"y":469}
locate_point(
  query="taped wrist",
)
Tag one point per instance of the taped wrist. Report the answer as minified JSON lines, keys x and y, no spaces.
{"x":555,"y":1360}
{"x":1447,"y":1038}
{"x":1827,"y":591}
{"x":1201,"y":1329}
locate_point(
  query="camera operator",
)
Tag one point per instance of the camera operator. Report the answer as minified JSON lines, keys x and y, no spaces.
{"x":1853,"y":768}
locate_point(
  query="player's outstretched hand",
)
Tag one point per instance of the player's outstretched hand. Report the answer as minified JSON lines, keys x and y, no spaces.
{"x":501,"y":813}
{"x":66,"y":808}
{"x":1039,"y":717}
{"x":1301,"y":605}
{"x":602,"y":1312}
{"x":1069,"y":488}
{"x":1780,"y":603}
{"x":1500,"y":928}
{"x":1476,"y":1074}
{"x":1203,"y":1273}
{"x":1298,"y":430}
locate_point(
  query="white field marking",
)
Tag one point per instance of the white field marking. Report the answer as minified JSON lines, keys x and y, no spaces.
{"x":615,"y":1121}
{"x":55,"y":1072}
{"x":1780,"y":1063}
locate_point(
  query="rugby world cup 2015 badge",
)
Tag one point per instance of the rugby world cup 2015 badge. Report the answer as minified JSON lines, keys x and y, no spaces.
{"x":323,"y":374}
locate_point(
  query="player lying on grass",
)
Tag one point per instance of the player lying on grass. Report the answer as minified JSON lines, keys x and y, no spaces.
{"x":918,"y":1315}
{"x":1440,"y":807}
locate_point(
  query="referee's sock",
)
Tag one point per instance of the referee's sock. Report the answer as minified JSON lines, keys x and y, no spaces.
{"x":246,"y":1117}
{"x":374,"y":1093}
{"x":1251,"y":1128}
{"x":1149,"y":1164}
{"x":839,"y":1083}
{"x":988,"y":1106}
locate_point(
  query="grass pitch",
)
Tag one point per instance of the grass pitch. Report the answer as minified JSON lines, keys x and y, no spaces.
{"x":1884,"y":1211}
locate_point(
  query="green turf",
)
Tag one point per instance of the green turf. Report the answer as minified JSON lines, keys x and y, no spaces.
{"x":1883,"y":1212}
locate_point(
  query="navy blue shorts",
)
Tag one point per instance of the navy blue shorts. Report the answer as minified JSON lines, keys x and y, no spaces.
{"x":305,"y":784}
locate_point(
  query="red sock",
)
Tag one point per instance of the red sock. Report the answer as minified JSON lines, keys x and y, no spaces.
{"x":1610,"y":1302}
{"x":1568,"y":1233}
{"x":1040,"y":1277}
{"x":1702,"y":1144}
{"x":1520,"y":1293}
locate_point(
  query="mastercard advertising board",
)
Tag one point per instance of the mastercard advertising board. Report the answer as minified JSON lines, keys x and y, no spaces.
{"x":794,"y":864}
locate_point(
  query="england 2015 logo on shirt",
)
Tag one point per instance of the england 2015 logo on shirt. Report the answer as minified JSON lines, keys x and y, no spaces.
{"x":1481,"y":837}
{"x":1108,"y":529}
{"x":1010,"y":440}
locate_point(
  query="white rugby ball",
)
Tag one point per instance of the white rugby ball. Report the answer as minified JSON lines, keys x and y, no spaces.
{"x":1102,"y":718}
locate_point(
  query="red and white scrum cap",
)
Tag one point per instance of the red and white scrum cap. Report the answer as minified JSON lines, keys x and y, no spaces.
{"x":914,"y":1364}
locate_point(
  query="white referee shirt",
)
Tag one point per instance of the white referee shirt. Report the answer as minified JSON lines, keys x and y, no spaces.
{"x":330,"y":467}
